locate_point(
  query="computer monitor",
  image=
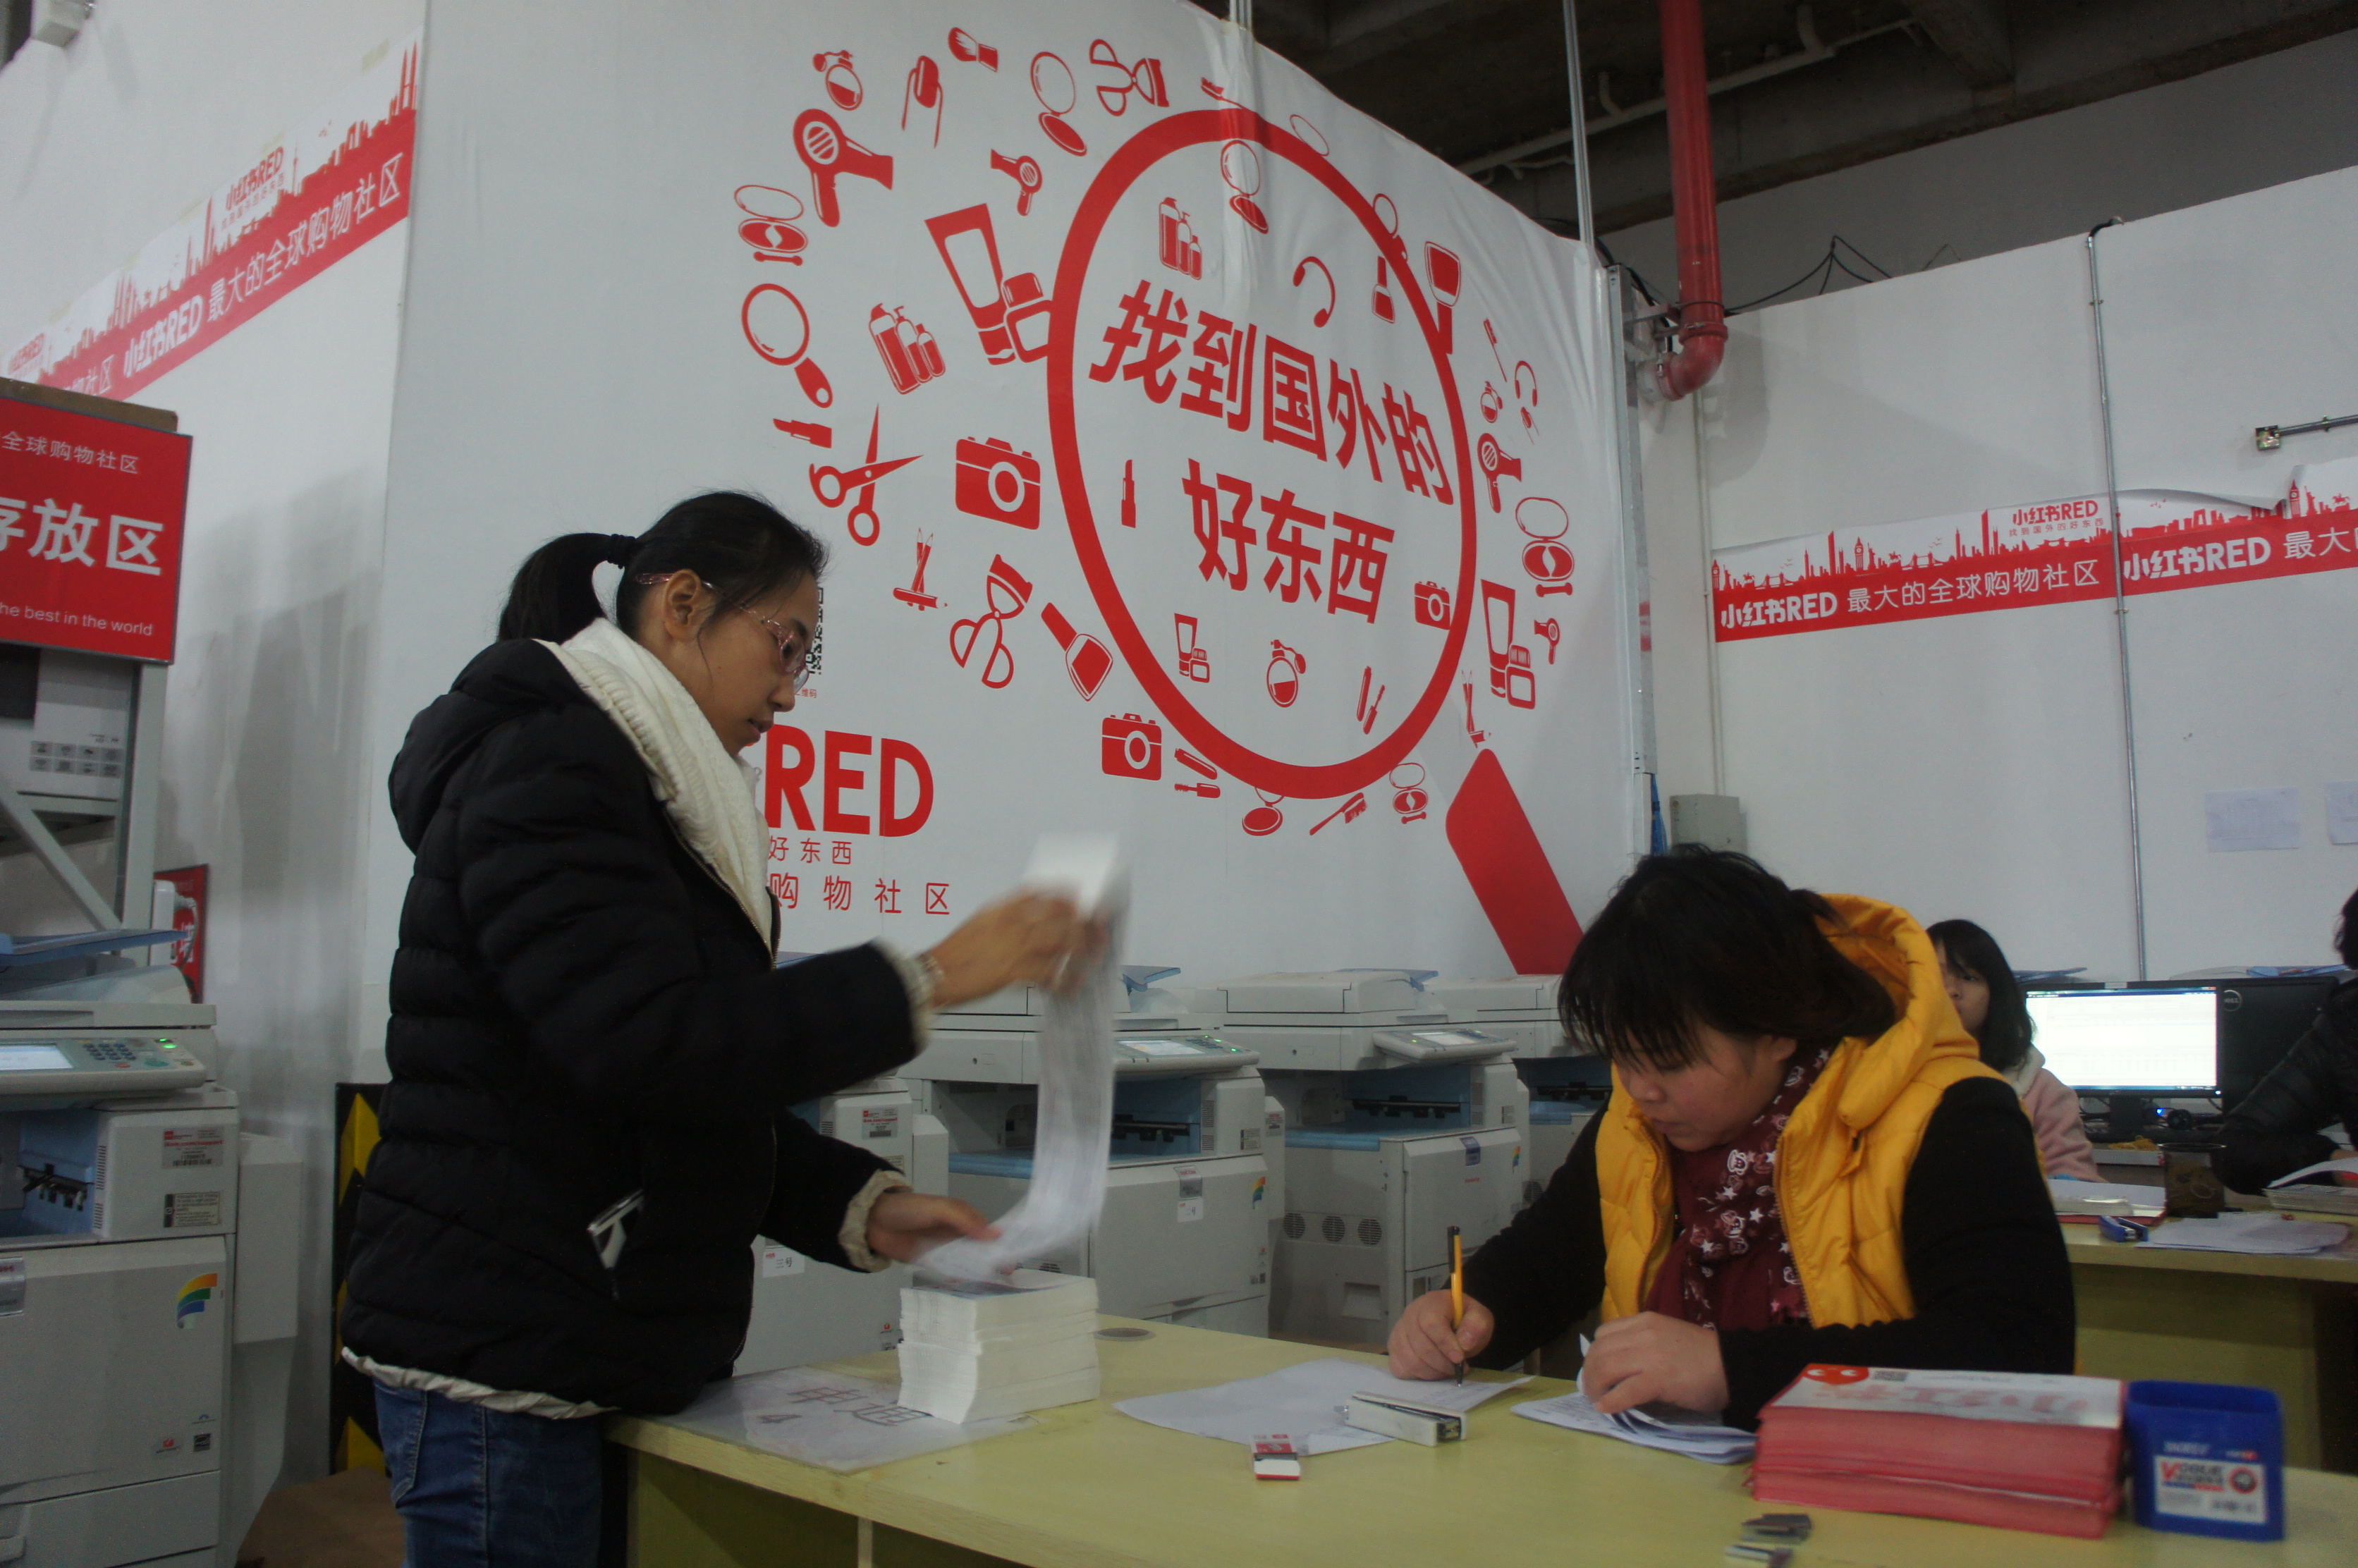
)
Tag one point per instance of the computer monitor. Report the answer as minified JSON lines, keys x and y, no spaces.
{"x":2130,"y":1046}
{"x":2260,"y":1017}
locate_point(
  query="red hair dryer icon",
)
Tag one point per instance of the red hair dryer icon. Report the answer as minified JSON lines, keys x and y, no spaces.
{"x":1497,"y":465}
{"x":829,"y":154}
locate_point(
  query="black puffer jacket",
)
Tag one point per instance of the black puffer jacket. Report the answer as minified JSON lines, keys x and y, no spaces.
{"x":2274,"y":1133}
{"x":581,"y":1011}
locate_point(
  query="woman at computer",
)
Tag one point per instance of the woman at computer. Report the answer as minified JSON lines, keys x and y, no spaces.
{"x":594,"y":1058}
{"x":2276,"y":1130}
{"x":1989,"y":999}
{"x":1803,"y":1160}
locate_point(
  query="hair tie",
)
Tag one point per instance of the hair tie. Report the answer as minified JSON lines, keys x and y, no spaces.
{"x":620,"y":549}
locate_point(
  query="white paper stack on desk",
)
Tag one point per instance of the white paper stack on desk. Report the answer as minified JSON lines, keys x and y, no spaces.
{"x":973,"y":1352}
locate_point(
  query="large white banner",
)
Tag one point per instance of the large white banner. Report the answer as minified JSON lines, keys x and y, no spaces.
{"x":1201,"y":461}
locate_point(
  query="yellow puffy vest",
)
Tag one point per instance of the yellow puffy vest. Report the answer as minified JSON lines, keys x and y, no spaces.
{"x":1842,"y":1161}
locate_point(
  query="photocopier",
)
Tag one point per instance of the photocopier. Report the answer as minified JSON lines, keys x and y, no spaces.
{"x":1399,"y":1121}
{"x":806,"y":1312}
{"x":1568,"y":1080}
{"x":148,"y":1289}
{"x":1185,"y":1235}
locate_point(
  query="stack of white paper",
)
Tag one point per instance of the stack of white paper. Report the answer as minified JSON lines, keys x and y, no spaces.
{"x":2263,"y":1232}
{"x":1673,"y":1430}
{"x":976,"y":1351}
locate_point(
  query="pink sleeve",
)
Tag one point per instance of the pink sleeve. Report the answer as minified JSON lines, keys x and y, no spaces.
{"x":2054,"y":1112}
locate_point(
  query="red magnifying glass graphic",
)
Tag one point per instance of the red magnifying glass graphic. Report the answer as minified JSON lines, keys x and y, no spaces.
{"x":778,"y":327}
{"x":1052,"y":85}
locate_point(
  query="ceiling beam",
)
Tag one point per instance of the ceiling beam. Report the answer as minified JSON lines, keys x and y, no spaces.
{"x":1388,"y":26}
{"x":1973,"y":35}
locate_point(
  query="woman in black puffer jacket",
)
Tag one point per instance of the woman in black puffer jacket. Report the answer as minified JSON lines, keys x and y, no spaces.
{"x":2275,"y":1132}
{"x":592,"y":1053}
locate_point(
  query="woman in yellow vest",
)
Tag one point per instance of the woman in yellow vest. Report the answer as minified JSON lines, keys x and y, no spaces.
{"x":1803,"y":1160}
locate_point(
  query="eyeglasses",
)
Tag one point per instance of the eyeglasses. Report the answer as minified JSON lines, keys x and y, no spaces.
{"x":793,"y":648}
{"x":794,"y":651}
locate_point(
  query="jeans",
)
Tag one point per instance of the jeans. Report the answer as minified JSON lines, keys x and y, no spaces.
{"x":480,"y":1489}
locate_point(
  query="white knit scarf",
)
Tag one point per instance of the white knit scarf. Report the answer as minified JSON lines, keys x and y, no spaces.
{"x":707,"y":793}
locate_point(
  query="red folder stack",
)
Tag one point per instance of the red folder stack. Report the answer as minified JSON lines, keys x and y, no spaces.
{"x":2021,"y":1451}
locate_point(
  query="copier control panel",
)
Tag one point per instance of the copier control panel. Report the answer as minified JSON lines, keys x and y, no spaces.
{"x":51,"y":1066}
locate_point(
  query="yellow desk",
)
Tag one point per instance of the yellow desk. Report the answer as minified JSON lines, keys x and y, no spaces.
{"x":2286,"y":1324}
{"x":1090,"y":1488}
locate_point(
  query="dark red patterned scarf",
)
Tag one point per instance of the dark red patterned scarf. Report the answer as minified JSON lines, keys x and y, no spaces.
{"x":1729,"y":1265}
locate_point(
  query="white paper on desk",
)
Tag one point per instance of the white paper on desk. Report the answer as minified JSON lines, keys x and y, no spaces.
{"x":2252,"y":820}
{"x":1687,"y":1434}
{"x":2345,"y":1166}
{"x":2264,"y":1233}
{"x":2119,"y":1199}
{"x":829,"y":1418}
{"x":1305,"y":1403}
{"x":2341,"y":811}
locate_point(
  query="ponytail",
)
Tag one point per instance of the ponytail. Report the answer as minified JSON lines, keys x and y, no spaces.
{"x":743,"y":548}
{"x":553,"y":596}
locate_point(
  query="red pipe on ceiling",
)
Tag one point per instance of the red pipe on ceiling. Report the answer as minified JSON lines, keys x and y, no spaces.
{"x":1694,"y":198}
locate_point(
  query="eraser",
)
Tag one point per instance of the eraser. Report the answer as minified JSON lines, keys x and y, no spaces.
{"x":1276,"y":1458}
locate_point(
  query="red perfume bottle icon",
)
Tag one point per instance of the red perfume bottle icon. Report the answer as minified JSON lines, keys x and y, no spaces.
{"x":1175,"y":240}
{"x":911,"y":356}
{"x":1284,"y":676}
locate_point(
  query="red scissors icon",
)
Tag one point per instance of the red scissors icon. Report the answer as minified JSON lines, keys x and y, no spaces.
{"x":832,"y":484}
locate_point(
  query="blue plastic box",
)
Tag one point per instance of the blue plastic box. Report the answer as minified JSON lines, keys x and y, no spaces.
{"x":2208,"y":1459}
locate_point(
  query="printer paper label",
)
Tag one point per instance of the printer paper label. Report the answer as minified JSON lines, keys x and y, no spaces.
{"x":12,"y":1286}
{"x":185,"y":1147}
{"x":193,"y":1211}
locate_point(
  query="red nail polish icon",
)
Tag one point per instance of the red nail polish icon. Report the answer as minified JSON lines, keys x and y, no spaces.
{"x":1086,"y":659}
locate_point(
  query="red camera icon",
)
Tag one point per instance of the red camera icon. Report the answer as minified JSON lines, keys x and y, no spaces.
{"x":1432,"y":605}
{"x":996,"y":482}
{"x":1133,"y":746}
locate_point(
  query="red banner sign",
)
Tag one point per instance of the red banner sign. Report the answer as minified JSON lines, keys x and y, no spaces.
{"x":91,"y":516}
{"x":2012,"y":558}
{"x":333,"y":184}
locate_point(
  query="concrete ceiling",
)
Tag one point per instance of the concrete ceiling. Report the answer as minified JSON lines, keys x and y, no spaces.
{"x":1803,"y":89}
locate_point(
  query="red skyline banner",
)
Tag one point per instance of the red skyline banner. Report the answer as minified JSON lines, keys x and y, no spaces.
{"x":337,"y":181}
{"x":2009,"y":559}
{"x":92,"y":512}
